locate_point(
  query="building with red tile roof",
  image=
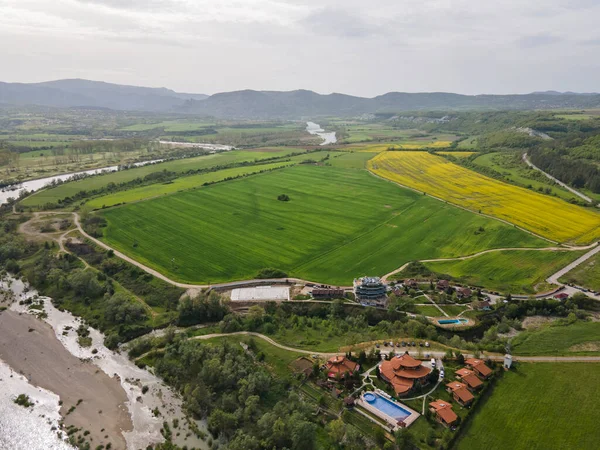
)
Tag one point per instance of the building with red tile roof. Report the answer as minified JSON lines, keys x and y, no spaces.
{"x":338,"y":366}
{"x":479,"y":367}
{"x":460,"y":392}
{"x":402,"y":372}
{"x":469,"y":377}
{"x":443,"y":412}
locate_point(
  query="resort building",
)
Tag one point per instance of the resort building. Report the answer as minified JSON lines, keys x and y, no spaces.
{"x":320,"y":293}
{"x":460,"y":393}
{"x":402,"y":372}
{"x":443,"y":412}
{"x":482,"y":305}
{"x":469,"y":378}
{"x":464,"y":292}
{"x":411,"y":283}
{"x":370,"y":291}
{"x":442,"y":285}
{"x":339,"y":365}
{"x":479,"y":367}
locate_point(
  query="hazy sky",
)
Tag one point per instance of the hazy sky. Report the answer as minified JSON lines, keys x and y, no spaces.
{"x":352,"y":46}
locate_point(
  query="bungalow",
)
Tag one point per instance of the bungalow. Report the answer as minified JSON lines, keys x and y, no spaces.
{"x":479,"y":367}
{"x":460,"y":393}
{"x":482,"y":306}
{"x":443,"y":412}
{"x":338,"y":366}
{"x":469,"y":378}
{"x":442,"y":285}
{"x":403,"y":372}
{"x":464,"y":292}
{"x":561,"y":296}
{"x":411,"y":283}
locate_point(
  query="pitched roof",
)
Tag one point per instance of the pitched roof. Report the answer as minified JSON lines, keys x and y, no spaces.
{"x":444,"y":410}
{"x":479,"y":366}
{"x":339,"y":365}
{"x":463,"y":394}
{"x":406,"y":361}
{"x":472,"y":380}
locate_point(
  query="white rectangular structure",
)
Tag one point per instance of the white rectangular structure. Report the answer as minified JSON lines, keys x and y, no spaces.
{"x":260,"y":293}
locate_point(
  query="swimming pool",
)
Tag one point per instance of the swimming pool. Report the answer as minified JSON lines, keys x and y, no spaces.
{"x":452,"y":321}
{"x":386,"y":406}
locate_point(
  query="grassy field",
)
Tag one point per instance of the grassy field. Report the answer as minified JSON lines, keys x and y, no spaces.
{"x":338,"y":224}
{"x":547,"y":406}
{"x":179,"y":184}
{"x":515,"y":272}
{"x":355,"y":160}
{"x":580,"y":338}
{"x":586,"y":275}
{"x":457,"y":154}
{"x":179,"y":165}
{"x":541,"y":214}
{"x":430,"y":311}
{"x":515,"y":171}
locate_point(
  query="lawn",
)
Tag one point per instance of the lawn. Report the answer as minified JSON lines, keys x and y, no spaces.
{"x":580,"y":338}
{"x":587,"y":274}
{"x":430,"y":311}
{"x":515,"y":272}
{"x":179,"y":165}
{"x":338,"y":224}
{"x":547,"y":216}
{"x":543,"y":406}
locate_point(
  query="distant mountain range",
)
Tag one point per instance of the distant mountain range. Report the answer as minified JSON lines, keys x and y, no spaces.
{"x":249,"y":104}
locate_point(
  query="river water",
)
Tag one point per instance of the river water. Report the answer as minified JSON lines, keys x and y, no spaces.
{"x":327,"y":136}
{"x":36,"y":185}
{"x":27,"y":425}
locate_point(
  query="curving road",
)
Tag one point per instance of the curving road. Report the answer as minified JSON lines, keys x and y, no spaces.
{"x":556,"y":180}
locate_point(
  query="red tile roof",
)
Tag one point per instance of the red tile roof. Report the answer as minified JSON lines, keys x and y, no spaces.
{"x":401,"y":371}
{"x":444,"y":411}
{"x":340,"y":365}
{"x":461,"y":391}
{"x":479,"y":366}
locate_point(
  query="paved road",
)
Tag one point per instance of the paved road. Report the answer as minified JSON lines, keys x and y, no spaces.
{"x":556,"y":180}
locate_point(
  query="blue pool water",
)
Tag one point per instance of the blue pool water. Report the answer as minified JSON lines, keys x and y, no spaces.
{"x":386,"y":406}
{"x":451,"y":321}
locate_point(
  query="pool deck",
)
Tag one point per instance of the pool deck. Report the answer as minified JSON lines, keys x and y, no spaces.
{"x":469,"y":322}
{"x":394,"y":424}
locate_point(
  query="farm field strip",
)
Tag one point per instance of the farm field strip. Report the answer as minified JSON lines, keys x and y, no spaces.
{"x":179,"y":185}
{"x":338,"y":224}
{"x":457,"y":154}
{"x":539,"y":406}
{"x":546,"y":216}
{"x":179,"y":165}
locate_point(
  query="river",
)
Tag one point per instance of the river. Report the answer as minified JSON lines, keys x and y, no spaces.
{"x":32,"y":428}
{"x":36,"y":185}
{"x":327,"y":136}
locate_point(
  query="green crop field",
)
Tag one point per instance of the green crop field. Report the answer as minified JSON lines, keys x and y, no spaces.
{"x":580,"y":338}
{"x":179,"y":165}
{"x":539,"y":406}
{"x":338,"y":224}
{"x":586,"y":275}
{"x":355,"y":160}
{"x":179,"y":184}
{"x":515,"y":272}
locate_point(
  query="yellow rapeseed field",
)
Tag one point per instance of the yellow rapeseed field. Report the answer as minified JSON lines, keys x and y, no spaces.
{"x":547,"y":216}
{"x":415,"y":145}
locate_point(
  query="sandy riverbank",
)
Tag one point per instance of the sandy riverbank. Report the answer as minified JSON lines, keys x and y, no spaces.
{"x":29,"y":346}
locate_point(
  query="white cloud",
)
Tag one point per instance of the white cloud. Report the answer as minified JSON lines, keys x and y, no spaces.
{"x":353,"y":46}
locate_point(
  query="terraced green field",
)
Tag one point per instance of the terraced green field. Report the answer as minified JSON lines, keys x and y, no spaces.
{"x":180,"y":165}
{"x":338,"y":224}
{"x":586,"y":275}
{"x":539,"y":406}
{"x":515,"y":272}
{"x":179,"y":184}
{"x":580,"y":338}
